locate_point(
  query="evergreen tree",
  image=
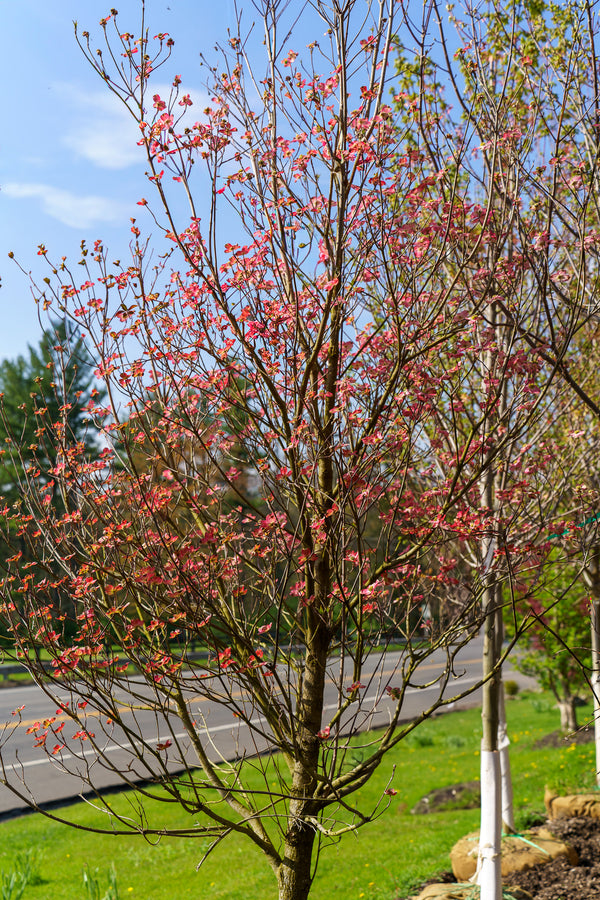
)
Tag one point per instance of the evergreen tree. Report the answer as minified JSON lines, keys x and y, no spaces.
{"x":44,"y":397}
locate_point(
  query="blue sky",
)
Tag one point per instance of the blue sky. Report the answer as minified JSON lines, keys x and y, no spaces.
{"x":69,"y":164}
{"x":70,"y":167}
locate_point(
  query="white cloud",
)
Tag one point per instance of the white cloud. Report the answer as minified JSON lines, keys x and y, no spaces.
{"x":100,"y":129}
{"x":103,"y":131}
{"x":71,"y":209}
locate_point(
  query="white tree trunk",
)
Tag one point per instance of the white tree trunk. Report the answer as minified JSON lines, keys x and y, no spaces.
{"x":508,"y":817}
{"x":592,"y":577}
{"x":568,"y":713}
{"x":488,"y":875}
{"x":595,"y":624}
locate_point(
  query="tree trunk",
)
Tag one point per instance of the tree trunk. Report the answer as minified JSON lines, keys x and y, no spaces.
{"x":595,"y":624}
{"x":488,"y":875}
{"x":593,"y":577}
{"x":568,"y":712}
{"x":508,"y":819}
{"x":294,"y":874}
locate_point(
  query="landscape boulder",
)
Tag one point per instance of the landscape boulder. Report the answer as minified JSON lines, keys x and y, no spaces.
{"x":572,"y":805}
{"x":465,"y":892}
{"x":519,"y":852}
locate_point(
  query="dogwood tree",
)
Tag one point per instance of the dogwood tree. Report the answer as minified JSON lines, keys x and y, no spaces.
{"x":291,"y":454}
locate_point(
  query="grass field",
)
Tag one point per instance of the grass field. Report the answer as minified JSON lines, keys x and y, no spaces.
{"x":380,"y":862}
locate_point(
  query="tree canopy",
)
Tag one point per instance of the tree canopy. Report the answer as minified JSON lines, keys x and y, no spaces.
{"x":310,"y":425}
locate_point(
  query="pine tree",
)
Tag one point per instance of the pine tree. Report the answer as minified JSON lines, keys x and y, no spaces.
{"x":44,"y":396}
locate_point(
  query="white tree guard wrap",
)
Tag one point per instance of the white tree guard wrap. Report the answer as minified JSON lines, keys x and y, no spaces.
{"x":508,"y":816}
{"x":595,"y":681}
{"x":488,"y":875}
{"x":596,"y":692}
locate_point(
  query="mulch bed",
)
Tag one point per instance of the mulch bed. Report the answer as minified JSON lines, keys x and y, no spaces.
{"x":559,"y":739}
{"x":465,"y":795}
{"x":559,"y":880}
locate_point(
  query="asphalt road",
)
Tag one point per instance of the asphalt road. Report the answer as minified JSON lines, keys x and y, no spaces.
{"x":36,"y":775}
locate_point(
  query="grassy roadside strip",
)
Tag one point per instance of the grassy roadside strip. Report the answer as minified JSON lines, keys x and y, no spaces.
{"x":381,"y":862}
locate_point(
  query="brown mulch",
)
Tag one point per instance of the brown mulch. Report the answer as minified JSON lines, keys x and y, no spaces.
{"x":559,"y":739}
{"x":465,"y":795}
{"x":559,"y":880}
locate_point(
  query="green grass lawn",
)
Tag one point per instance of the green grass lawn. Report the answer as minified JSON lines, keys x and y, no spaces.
{"x":382,"y":861}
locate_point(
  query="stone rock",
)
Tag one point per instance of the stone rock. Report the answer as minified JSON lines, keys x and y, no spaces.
{"x":465,"y":892}
{"x":519,"y":852}
{"x":572,"y":805}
